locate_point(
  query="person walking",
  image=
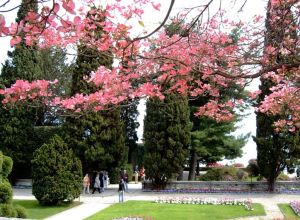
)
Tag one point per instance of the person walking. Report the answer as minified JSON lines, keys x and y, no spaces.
{"x":124,"y":176}
{"x":101,"y":178}
{"x":106,"y":179}
{"x":96,"y":184}
{"x":86,"y":184}
{"x":121,"y":190}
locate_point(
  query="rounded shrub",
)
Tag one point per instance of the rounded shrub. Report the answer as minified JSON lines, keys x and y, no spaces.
{"x":57,"y":173}
{"x":5,"y":192}
{"x":241,"y":175}
{"x":7,"y":210}
{"x":21,"y":211}
{"x":6,"y":166}
{"x":283,"y":177}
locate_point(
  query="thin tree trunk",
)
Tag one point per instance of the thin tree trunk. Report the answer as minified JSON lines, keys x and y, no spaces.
{"x":193,"y":164}
{"x":198,"y":168}
{"x":180,"y":177}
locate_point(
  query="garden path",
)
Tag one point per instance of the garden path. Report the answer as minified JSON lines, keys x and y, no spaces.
{"x":97,"y":202}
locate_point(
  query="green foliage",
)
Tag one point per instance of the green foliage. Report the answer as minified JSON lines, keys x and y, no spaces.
{"x":129,"y":171}
{"x":7,"y":210}
{"x":96,"y":138}
{"x":241,"y":175}
{"x":5,"y":192}
{"x":21,"y":211}
{"x":220,"y":174}
{"x":274,"y":149}
{"x":166,"y":137}
{"x":7,"y":166}
{"x":114,"y":175}
{"x":129,"y":114}
{"x":253,"y":168}
{"x":16,"y":125}
{"x":57,"y":173}
{"x":5,"y":187}
{"x":283,"y":177}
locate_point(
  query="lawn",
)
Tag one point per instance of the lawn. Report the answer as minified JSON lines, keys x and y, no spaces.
{"x":36,"y":211}
{"x":175,"y":211}
{"x":288,"y":212}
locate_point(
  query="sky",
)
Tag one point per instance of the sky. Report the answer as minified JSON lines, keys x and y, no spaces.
{"x":152,"y":18}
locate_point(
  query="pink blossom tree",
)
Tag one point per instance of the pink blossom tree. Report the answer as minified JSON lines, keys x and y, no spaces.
{"x":187,"y":61}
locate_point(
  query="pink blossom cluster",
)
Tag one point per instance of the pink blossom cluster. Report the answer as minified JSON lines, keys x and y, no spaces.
{"x":201,"y":63}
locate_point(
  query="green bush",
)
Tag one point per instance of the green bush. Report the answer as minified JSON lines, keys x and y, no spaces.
{"x":114,"y":176}
{"x":241,"y":175}
{"x":220,"y":174}
{"x":7,"y":210}
{"x":21,"y":211}
{"x":57,"y":173}
{"x":253,"y":167}
{"x":6,"y":166}
{"x":283,"y":177}
{"x":129,"y":171}
{"x":5,"y":192}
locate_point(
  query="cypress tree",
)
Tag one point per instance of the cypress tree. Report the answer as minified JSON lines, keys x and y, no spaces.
{"x":96,"y":138}
{"x":129,"y":114}
{"x":273,"y":148}
{"x":166,"y":137}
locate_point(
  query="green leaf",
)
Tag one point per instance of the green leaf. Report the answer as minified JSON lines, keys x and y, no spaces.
{"x":141,"y":23}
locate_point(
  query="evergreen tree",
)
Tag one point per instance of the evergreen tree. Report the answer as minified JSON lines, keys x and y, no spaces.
{"x":17,"y":126}
{"x":57,"y":173}
{"x":211,"y":141}
{"x":274,"y":149}
{"x":129,"y":114}
{"x":97,"y":138}
{"x":166,"y":137}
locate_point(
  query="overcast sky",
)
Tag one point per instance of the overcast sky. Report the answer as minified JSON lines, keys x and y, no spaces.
{"x":152,"y":19}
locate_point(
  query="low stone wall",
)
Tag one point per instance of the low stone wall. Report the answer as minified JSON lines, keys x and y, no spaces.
{"x":23,"y":183}
{"x":215,"y":186}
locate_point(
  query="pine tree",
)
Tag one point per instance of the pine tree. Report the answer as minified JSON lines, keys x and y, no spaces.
{"x":17,"y":126}
{"x":96,"y":138}
{"x":273,"y":149}
{"x":166,"y":137}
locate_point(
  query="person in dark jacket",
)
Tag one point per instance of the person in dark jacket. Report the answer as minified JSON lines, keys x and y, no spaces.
{"x":101,"y":178}
{"x":121,"y":190}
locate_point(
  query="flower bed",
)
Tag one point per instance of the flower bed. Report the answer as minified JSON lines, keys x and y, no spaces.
{"x":247,"y":203}
{"x":295,"y":205}
{"x":229,"y":191}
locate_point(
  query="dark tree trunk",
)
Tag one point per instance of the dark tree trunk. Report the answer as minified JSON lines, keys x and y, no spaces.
{"x":180,"y":177}
{"x":193,"y":164}
{"x":198,"y":169}
{"x":271,"y":184}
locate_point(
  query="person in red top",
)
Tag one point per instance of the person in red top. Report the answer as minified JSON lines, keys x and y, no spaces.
{"x":142,"y":174}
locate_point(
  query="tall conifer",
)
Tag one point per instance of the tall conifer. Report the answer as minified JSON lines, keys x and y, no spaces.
{"x":96,"y":138}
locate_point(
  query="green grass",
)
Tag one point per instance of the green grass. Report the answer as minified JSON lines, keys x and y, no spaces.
{"x":288,"y":212}
{"x":175,"y":211}
{"x":36,"y":211}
